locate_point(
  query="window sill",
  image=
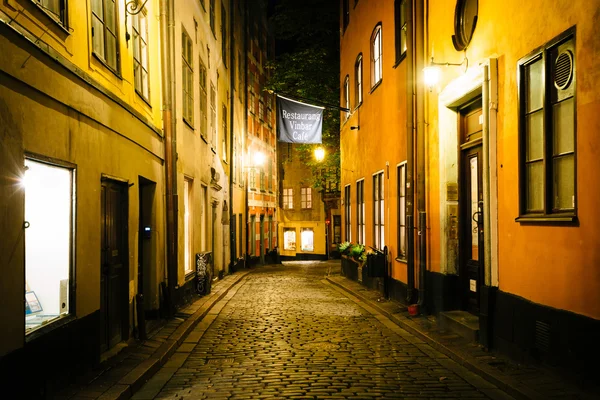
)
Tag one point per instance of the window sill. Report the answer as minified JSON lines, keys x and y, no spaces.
{"x":357,"y":106}
{"x":401,"y":260}
{"x":189,"y":275}
{"x":144,"y":99}
{"x":62,"y":321}
{"x":400,"y":59}
{"x":376,"y":86}
{"x":203,"y":138}
{"x":188,"y":124}
{"x":548,"y":219}
{"x":111,"y":69}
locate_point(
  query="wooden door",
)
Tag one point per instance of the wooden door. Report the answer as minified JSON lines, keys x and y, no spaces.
{"x":113,"y":275}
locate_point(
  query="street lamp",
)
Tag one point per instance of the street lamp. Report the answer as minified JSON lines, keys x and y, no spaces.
{"x":319,"y":154}
{"x":258,"y":159}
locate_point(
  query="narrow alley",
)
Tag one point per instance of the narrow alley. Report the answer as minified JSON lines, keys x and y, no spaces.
{"x":285,"y":332}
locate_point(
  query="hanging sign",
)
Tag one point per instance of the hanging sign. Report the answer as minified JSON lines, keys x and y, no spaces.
{"x":298,"y":122}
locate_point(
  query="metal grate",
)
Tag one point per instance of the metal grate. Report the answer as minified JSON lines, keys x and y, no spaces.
{"x":542,"y":336}
{"x":563,"y":70}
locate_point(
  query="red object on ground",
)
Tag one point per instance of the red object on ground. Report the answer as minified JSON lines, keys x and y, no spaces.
{"x":413,"y":309}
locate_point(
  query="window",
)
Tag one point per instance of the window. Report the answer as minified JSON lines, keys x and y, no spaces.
{"x":307,"y":239}
{"x":358,"y":73}
{"x":360,"y":210}
{"x":204,"y":217}
{"x":378,"y":211}
{"x":306,"y":197}
{"x":252,"y":179}
{"x":241,"y":75}
{"x":233,"y":66}
{"x":261,"y":109}
{"x":347,"y":96}
{"x":187,"y":76}
{"x":202,"y":3}
{"x":56,"y":8}
{"x":348,"y":214}
{"x":262,"y":180}
{"x":346,"y":13}
{"x":140,"y":54}
{"x":48,"y":243}
{"x":402,"y":211}
{"x":289,"y":239}
{"x":400,"y":27}
{"x":224,"y":34}
{"x":252,"y":102}
{"x":187,"y":224}
{"x":203,"y":99}
{"x":288,"y":199}
{"x":547,"y":118}
{"x":212,"y":17}
{"x":213,"y":115}
{"x":105,"y":39}
{"x":376,"y":50}
{"x":225,"y":133}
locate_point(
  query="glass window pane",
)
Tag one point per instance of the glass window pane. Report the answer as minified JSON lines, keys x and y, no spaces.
{"x":564,"y":182}
{"x":563,"y":117}
{"x":97,"y":8}
{"x":535,"y":136}
{"x":535,"y":186}
{"x":111,"y":50}
{"x":110,"y":15}
{"x":535,"y":85}
{"x":145,"y":89}
{"x":98,"y":39}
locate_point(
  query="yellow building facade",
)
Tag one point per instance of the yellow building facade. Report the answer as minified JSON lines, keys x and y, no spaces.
{"x":503,"y":168}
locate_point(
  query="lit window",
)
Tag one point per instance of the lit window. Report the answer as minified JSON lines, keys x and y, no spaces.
{"x":400,"y":27}
{"x":376,"y":53}
{"x":347,"y":95}
{"x":288,"y":199}
{"x":306,"y":197}
{"x":187,"y":224}
{"x":348,"y":214}
{"x":48,"y":243}
{"x":187,"y":76}
{"x":547,"y":116}
{"x":140,"y":55}
{"x":289,"y":239}
{"x":203,"y":100}
{"x":307,"y":237}
{"x":105,"y":41}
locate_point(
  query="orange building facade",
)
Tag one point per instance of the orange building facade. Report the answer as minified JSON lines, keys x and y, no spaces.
{"x":500,"y":153}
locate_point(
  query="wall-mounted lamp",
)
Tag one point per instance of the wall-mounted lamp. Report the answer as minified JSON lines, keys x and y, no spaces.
{"x":431,"y":73}
{"x":319,"y":153}
{"x":258,"y":158}
{"x":353,"y":128}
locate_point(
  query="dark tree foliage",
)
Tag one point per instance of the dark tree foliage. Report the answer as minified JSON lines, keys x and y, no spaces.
{"x":306,"y":66}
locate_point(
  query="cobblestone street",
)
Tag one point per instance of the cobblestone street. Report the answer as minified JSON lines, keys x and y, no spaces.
{"x":286,"y":333}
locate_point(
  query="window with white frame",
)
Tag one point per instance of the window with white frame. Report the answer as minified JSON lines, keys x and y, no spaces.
{"x":358,"y":72}
{"x":288,"y":198}
{"x":347,"y":96}
{"x":376,"y":54}
{"x":105,"y":38}
{"x":203,"y":99}
{"x":306,"y":197}
{"x":360,"y":211}
{"x":187,"y":225}
{"x":187,"y":77}
{"x":402,"y":211}
{"x":48,"y":243}
{"x":140,"y":54}
{"x":347,"y":214}
{"x":378,"y":211}
{"x":547,"y":115}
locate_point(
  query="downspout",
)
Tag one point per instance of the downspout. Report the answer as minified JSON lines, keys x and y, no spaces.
{"x":420,"y":102}
{"x":245,"y":107}
{"x":232,"y":235}
{"x":167,"y":32}
{"x":486,"y":176}
{"x":410,"y":131}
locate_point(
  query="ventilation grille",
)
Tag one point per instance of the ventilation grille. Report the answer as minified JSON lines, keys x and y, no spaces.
{"x":563,"y":70}
{"x":542,"y":336}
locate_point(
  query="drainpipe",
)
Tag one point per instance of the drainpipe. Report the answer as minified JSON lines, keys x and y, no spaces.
{"x":410,"y":132}
{"x":167,"y":32}
{"x":232,"y":238}
{"x":245,"y":130}
{"x":485,"y":94}
{"x":420,"y":102}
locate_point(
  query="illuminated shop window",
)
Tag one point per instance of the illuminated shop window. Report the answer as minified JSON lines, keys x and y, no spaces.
{"x":48,"y":243}
{"x":289,"y":239}
{"x":308,"y":239}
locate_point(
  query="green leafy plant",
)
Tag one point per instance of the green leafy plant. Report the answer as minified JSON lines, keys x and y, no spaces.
{"x":356,"y":251}
{"x":344,"y":247}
